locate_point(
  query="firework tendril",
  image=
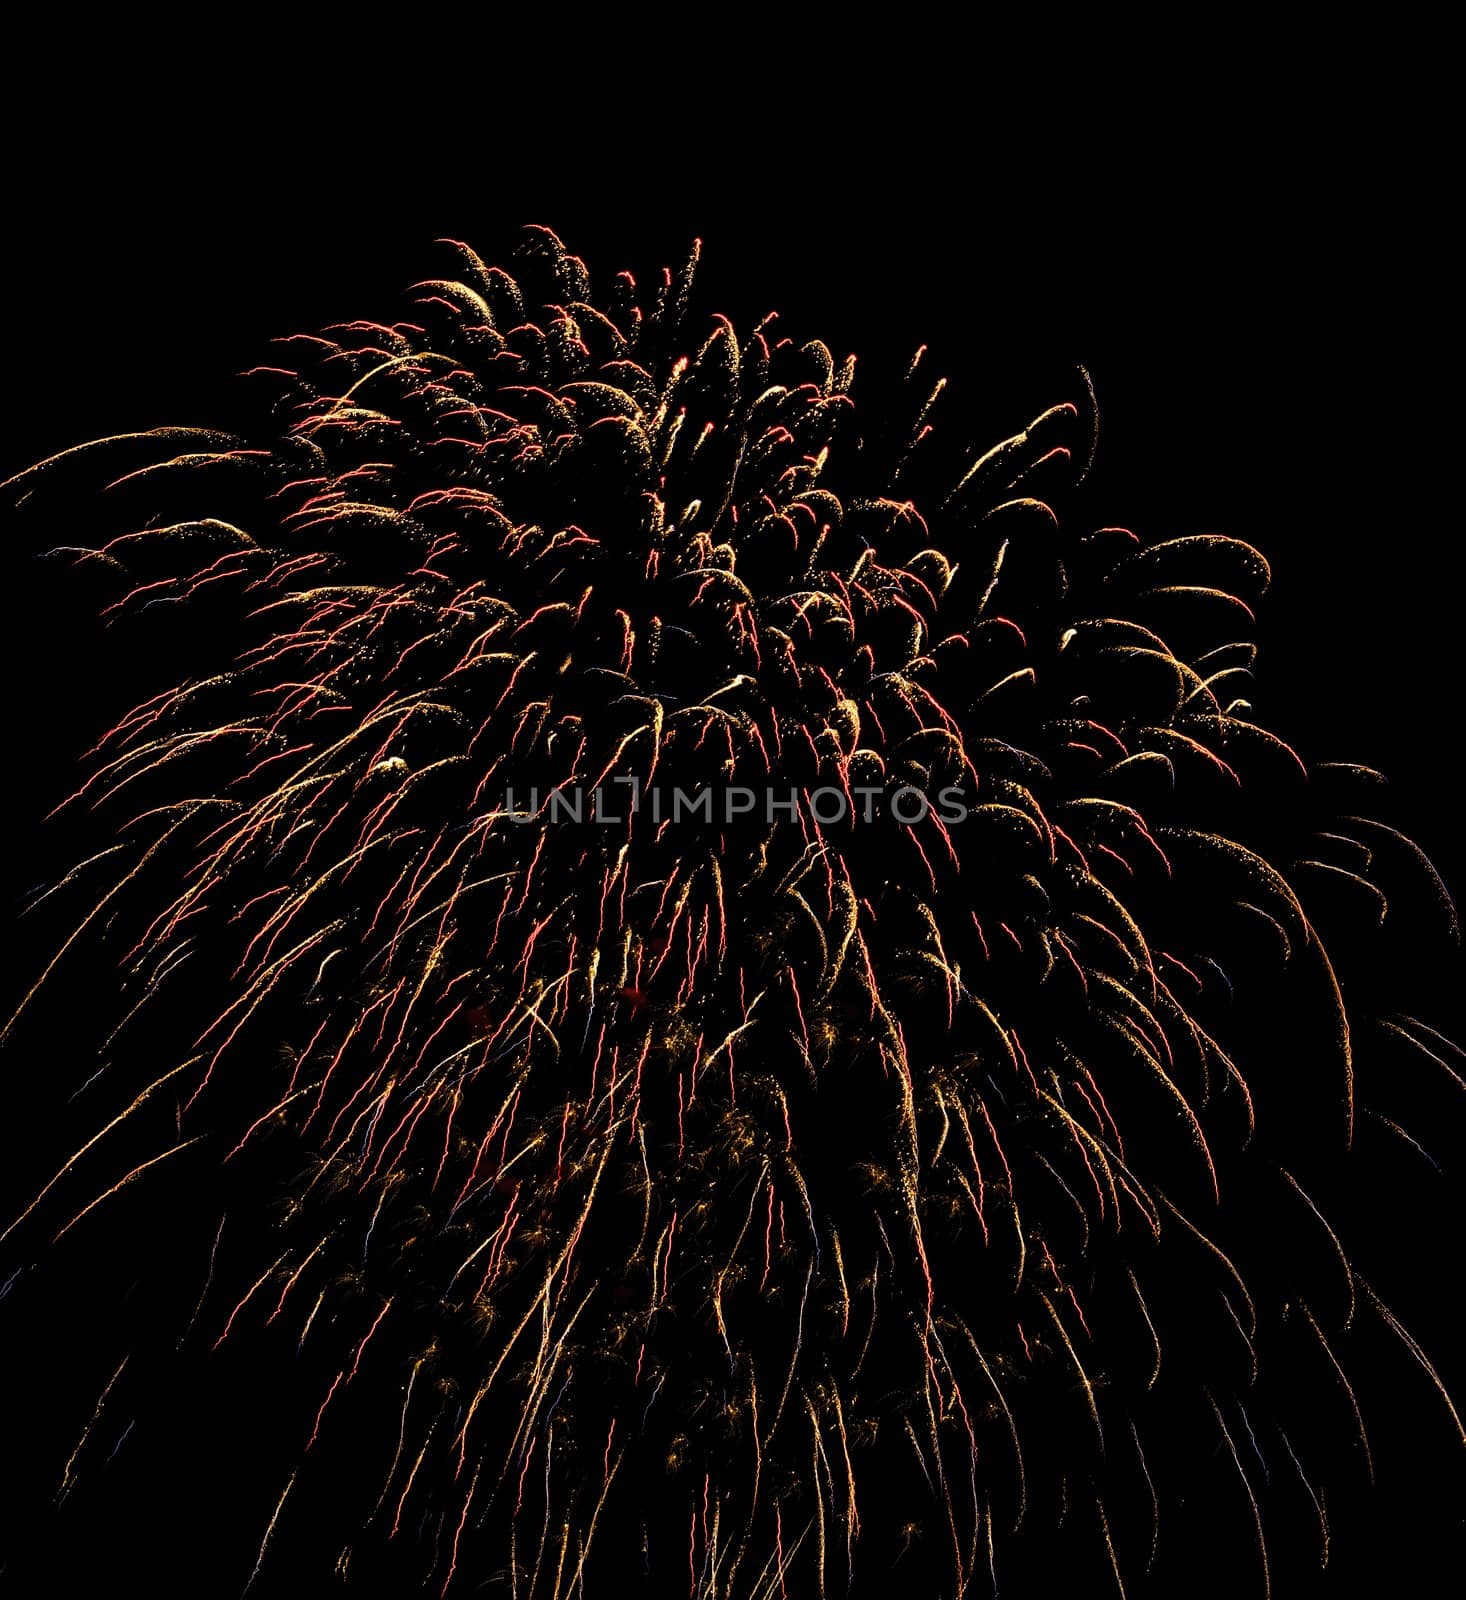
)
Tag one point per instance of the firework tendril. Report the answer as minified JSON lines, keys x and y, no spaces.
{"x":727,"y":1206}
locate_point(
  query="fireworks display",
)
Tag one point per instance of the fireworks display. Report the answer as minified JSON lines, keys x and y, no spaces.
{"x":914,"y":1171}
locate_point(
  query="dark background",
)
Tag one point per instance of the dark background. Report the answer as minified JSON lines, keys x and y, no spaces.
{"x":1249,"y":253}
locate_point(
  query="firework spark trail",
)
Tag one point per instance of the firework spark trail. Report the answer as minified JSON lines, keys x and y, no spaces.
{"x":829,"y":1098}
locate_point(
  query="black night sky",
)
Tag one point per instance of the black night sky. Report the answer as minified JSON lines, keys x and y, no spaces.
{"x":1256,"y":276}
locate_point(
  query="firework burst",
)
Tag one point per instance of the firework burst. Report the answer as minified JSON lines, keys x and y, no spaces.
{"x":685,"y":1194}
